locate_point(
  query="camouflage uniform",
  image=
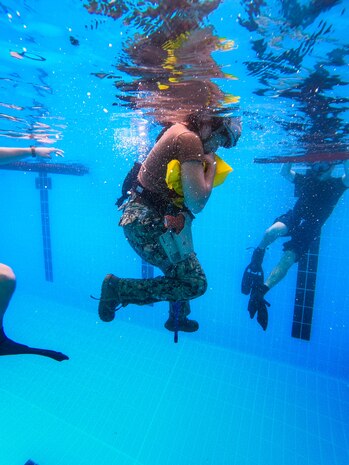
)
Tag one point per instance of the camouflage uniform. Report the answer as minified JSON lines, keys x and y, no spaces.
{"x":186,"y":280}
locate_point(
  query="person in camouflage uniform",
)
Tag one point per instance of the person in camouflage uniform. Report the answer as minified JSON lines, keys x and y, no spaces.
{"x":153,"y":208}
{"x":182,"y":281}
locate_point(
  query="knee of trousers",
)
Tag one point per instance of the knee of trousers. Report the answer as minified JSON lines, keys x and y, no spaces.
{"x":198,"y":286}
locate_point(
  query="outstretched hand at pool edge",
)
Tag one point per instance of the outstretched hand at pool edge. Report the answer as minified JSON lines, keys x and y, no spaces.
{"x":11,"y":154}
{"x":45,"y":152}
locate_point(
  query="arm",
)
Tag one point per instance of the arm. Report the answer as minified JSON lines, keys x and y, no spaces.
{"x":287,"y":172}
{"x":197,"y":182}
{"x":9,"y":154}
{"x":345,"y":177}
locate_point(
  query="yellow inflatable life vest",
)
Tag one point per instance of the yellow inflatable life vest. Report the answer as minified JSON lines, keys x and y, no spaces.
{"x":173,"y":175}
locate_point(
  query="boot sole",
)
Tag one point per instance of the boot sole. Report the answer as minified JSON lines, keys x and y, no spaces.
{"x":184,"y":329}
{"x":105,"y":314}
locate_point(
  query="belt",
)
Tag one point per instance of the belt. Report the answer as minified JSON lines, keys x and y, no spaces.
{"x":155,"y":200}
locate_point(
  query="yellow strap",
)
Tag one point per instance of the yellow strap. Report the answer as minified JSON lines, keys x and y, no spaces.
{"x":173,"y":175}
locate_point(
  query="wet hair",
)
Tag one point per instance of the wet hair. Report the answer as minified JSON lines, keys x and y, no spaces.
{"x":194,"y":121}
{"x":231,"y":127}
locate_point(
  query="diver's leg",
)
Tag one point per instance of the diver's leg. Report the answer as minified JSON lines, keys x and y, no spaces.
{"x":257,"y":303}
{"x":253,"y":274}
{"x":275,"y":231}
{"x":7,"y":346}
{"x":279,"y":272}
{"x":7,"y":288}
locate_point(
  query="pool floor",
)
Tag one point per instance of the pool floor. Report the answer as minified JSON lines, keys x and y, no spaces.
{"x":130,"y":396}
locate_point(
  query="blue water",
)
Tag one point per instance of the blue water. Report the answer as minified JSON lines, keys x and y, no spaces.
{"x":229,"y":394}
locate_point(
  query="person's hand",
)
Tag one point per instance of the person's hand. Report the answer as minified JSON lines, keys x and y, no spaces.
{"x":209,"y":158}
{"x":175,"y":223}
{"x":209,"y":162}
{"x":209,"y":168}
{"x":45,"y":152}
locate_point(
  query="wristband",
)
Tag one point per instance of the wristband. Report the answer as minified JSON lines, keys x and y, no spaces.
{"x":32,"y":148}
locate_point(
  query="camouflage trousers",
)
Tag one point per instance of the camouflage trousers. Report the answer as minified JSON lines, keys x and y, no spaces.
{"x":183,"y":281}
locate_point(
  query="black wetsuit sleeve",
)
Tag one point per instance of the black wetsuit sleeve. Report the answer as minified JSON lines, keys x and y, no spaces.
{"x":299,"y":180}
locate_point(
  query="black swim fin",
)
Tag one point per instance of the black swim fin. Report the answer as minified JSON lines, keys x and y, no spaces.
{"x":258,"y":304}
{"x":9,"y":347}
{"x":262,"y":314}
{"x":251,"y":278}
{"x":253,"y":274}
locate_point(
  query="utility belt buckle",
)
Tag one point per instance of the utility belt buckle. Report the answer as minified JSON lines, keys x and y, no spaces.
{"x":138,"y":189}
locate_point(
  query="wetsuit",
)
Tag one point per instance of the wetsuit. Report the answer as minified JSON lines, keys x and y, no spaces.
{"x":315,"y":204}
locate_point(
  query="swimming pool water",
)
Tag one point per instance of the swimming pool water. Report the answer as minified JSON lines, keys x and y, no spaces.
{"x":129,"y":395}
{"x":229,"y":394}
